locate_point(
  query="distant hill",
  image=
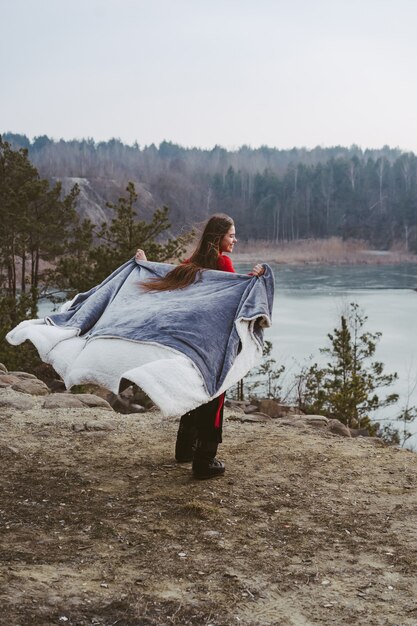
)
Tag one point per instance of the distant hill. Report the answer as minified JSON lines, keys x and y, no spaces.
{"x":96,"y":192}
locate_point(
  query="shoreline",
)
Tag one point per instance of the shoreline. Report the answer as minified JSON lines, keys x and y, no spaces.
{"x":333,"y":251}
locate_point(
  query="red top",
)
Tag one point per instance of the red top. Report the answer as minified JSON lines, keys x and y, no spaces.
{"x":224,"y":263}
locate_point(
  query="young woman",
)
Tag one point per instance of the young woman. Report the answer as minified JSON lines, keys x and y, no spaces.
{"x":200,"y":430}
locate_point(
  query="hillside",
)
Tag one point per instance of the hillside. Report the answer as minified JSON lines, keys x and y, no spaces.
{"x":101,"y":526}
{"x":95,"y":193}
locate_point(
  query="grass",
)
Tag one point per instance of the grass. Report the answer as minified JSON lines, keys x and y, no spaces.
{"x":332,"y":251}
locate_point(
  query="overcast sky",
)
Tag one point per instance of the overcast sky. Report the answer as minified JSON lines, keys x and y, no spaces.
{"x":282,"y":73}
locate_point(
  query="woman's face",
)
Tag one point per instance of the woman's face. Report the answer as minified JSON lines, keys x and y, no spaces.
{"x":228,"y":241}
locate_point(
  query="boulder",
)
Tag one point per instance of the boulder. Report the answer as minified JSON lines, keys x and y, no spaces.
{"x":233,"y":404}
{"x":275,"y":409}
{"x":56,"y":385}
{"x":91,"y":400}
{"x":3,"y":368}
{"x":140,"y":398}
{"x":75,"y":400}
{"x":7,"y":380}
{"x":336,"y":427}
{"x":94,"y":426}
{"x":24,"y":375}
{"x":62,"y":401}
{"x":319,"y":421}
{"x":250,"y":408}
{"x":124,"y":405}
{"x":359,"y":432}
{"x":11,"y":400}
{"x":297,"y":422}
{"x":250,"y":417}
{"x":31,"y":386}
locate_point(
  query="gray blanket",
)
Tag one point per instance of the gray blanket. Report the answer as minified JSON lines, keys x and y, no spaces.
{"x":198,"y":321}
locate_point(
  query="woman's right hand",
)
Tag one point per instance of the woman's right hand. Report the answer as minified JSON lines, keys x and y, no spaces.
{"x":258,"y":270}
{"x":140,"y":255}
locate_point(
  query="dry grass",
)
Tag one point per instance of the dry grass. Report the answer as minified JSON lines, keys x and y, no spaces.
{"x":333,"y":251}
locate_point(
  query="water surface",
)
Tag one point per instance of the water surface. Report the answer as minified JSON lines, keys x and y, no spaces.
{"x":309,"y":301}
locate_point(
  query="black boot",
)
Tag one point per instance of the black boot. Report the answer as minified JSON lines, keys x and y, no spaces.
{"x":205,"y":465}
{"x":186,"y":436}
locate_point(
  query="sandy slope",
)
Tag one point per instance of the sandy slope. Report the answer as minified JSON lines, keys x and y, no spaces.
{"x":103,"y":527}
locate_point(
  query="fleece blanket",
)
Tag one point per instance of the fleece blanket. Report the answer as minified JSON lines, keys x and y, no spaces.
{"x":182,"y":347}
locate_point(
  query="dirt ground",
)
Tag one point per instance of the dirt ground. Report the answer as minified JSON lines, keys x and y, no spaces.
{"x":102,"y":527}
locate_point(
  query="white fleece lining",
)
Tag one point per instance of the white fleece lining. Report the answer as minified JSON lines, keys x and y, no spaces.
{"x":167,"y":376}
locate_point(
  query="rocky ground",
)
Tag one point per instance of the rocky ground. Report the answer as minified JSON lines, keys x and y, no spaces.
{"x":100,"y":526}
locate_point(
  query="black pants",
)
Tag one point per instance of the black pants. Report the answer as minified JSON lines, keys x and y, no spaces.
{"x":207,"y":419}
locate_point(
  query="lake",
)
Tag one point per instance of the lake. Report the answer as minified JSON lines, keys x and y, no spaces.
{"x":310,"y":299}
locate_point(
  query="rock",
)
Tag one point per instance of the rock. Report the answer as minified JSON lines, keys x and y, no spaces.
{"x":78,"y":427}
{"x":56,"y":385}
{"x":275,"y":409}
{"x":319,"y":421}
{"x":16,"y":401}
{"x":127,"y":393}
{"x":32,"y":386}
{"x":250,"y":408}
{"x":91,"y":400}
{"x":137,"y":408}
{"x":94,"y":426}
{"x":336,"y":427}
{"x":377,"y":441}
{"x":125,"y":406}
{"x":7,"y":380}
{"x":250,"y":417}
{"x":24,"y":375}
{"x":3,"y":368}
{"x":75,"y":401}
{"x":232,"y":404}
{"x":299,"y":423}
{"x":62,"y":401}
{"x":140,"y":398}
{"x":359,"y":432}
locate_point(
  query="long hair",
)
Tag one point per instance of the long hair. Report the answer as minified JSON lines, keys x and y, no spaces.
{"x":205,"y":256}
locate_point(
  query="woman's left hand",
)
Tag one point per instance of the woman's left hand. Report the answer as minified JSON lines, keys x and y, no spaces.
{"x":140,"y":255}
{"x":258,"y":270}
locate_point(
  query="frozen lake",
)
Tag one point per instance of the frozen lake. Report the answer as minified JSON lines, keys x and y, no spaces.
{"x":310,"y":299}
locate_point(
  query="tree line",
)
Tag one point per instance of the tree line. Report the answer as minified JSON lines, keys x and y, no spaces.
{"x":275,"y":195}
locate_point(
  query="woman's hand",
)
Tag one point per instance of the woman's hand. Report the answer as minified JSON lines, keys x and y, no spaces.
{"x":140,"y":255}
{"x":258,"y":270}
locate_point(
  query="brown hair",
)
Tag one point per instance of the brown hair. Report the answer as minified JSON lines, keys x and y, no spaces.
{"x":205,"y":256}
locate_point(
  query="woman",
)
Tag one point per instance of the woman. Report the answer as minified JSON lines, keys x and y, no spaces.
{"x":200,"y":430}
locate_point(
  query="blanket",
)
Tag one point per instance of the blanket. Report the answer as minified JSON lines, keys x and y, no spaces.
{"x":182,"y":347}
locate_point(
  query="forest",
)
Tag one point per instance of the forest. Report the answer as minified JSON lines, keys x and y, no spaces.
{"x":274,"y":195}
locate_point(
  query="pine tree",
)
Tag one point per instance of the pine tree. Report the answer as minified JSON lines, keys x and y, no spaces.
{"x":347,"y":387}
{"x":265,"y":380}
{"x":88,"y":263}
{"x":34,"y":222}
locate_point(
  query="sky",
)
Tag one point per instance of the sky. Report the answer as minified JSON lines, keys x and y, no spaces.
{"x":281,"y":73}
